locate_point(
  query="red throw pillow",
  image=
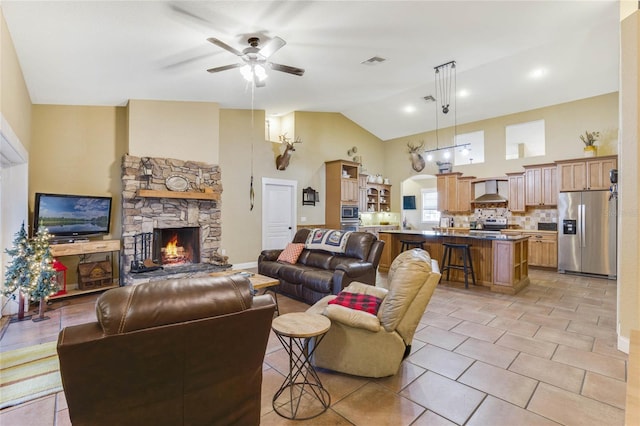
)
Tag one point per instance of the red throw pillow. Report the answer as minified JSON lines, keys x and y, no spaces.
{"x":358,"y":301}
{"x":291,"y":253}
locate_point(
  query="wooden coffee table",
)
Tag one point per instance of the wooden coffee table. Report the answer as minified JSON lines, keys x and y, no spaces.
{"x":258,"y":282}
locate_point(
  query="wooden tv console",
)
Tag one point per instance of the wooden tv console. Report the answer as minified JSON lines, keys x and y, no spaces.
{"x":84,"y":248}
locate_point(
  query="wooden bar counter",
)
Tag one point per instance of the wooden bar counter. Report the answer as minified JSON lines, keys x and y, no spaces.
{"x":499,"y":261}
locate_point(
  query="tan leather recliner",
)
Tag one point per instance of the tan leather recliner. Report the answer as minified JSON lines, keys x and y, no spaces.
{"x":370,"y":345}
{"x":175,"y":352}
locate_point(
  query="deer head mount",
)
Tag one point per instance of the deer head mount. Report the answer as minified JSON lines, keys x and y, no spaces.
{"x":282,"y":160}
{"x":417,"y":162}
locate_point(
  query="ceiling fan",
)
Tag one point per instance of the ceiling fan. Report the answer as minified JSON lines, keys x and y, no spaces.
{"x":255,"y":59}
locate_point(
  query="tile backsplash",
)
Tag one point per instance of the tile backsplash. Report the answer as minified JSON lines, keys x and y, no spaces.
{"x":528,"y":220}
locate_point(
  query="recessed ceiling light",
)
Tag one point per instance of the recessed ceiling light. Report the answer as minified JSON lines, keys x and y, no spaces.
{"x":538,"y":73}
{"x":409,"y":109}
{"x":463,"y":93}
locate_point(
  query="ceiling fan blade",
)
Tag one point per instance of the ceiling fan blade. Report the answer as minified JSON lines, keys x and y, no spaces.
{"x":272,"y":46}
{"x":224,"y":68}
{"x":286,"y":68}
{"x":224,"y":45}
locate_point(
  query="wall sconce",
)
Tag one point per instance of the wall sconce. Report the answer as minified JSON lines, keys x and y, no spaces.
{"x":310,"y":196}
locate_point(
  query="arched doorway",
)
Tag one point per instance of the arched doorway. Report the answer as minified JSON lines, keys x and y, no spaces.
{"x":415,"y":186}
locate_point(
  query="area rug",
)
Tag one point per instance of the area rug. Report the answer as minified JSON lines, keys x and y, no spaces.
{"x":29,"y":373}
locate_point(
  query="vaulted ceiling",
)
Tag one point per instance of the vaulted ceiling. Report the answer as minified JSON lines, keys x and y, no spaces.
{"x":511,"y":55}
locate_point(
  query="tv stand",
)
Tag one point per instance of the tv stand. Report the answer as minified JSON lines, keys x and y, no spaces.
{"x":69,"y":241}
{"x":81,"y":248}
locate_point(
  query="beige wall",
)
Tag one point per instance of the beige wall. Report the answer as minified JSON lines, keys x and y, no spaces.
{"x":15,"y":103}
{"x":325,"y":137}
{"x":629,"y":207}
{"x":563,"y":125}
{"x":171,"y":129}
{"x":78,"y":150}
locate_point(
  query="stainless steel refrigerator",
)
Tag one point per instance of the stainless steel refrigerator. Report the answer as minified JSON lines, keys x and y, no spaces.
{"x":587,"y":236}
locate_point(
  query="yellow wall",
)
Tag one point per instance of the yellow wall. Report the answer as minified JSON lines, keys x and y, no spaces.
{"x":15,"y":103}
{"x":629,"y":205}
{"x":325,"y":136}
{"x":78,"y":150}
{"x":563,"y":125}
{"x":171,"y":129}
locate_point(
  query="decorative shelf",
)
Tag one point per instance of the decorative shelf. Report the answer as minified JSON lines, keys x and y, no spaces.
{"x":150,"y":193}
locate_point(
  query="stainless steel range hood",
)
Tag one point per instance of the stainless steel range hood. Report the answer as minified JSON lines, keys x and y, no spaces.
{"x":491,"y":194}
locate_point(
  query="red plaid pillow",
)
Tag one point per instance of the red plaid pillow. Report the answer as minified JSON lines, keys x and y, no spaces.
{"x":358,"y":301}
{"x":291,"y":253}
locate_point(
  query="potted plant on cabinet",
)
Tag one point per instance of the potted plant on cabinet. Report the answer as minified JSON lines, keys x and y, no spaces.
{"x":589,"y":139}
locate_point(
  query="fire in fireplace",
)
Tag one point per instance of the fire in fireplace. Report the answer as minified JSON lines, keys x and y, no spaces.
{"x":176,"y":246}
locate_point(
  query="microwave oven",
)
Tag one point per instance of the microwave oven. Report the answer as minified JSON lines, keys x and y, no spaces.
{"x":349,"y":212}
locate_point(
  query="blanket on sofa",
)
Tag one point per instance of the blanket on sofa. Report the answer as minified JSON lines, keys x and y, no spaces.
{"x":328,"y":240}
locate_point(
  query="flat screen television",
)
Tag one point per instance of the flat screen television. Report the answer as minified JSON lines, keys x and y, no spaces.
{"x":70,"y":216}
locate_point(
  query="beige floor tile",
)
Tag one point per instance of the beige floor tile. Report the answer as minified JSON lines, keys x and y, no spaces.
{"x":510,"y":313}
{"x":555,"y":373}
{"x":500,"y":383}
{"x":429,"y":418}
{"x":478,"y":331}
{"x":451,"y":400}
{"x":570,"y":409}
{"x":573,"y":315}
{"x":62,"y":418}
{"x":614,"y":368}
{"x":494,"y":411}
{"x":372,"y":403}
{"x":473,"y":316}
{"x":527,"y":344}
{"x":515,"y":326}
{"x":609,"y":348}
{"x":340,"y":385}
{"x":36,"y":412}
{"x":441,"y":361}
{"x":439,"y":320}
{"x":487,"y":352}
{"x":592,"y":330}
{"x":605,"y":389}
{"x":408,"y":373}
{"x":438,"y":337}
{"x":329,"y":417}
{"x":271,"y":381}
{"x":531,"y":308}
{"x":566,"y":338}
{"x":545,"y":320}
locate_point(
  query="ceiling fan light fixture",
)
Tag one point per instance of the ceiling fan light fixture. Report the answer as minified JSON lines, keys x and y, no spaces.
{"x":250,"y":73}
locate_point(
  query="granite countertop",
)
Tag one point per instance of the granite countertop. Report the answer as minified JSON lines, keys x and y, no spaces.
{"x":457,"y":234}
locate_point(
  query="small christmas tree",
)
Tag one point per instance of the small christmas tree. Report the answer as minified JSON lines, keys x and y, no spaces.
{"x":18,"y":273}
{"x":43,"y":278}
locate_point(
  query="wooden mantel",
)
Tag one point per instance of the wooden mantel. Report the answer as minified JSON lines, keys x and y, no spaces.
{"x":190,"y":195}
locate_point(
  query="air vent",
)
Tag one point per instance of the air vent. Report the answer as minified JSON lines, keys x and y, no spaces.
{"x":429,"y":98}
{"x":373,"y":61}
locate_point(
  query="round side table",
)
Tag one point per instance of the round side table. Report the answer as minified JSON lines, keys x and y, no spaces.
{"x":301,"y":396}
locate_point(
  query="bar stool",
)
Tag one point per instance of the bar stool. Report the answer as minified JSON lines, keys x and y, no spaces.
{"x":408,"y":244}
{"x":467,"y":265}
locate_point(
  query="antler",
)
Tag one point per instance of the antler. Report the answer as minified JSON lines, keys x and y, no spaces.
{"x":283,"y":138}
{"x":415,"y":148}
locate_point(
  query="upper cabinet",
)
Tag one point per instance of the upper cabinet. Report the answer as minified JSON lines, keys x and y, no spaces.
{"x":586,"y":174}
{"x":342,"y":188}
{"x":455,"y":193}
{"x":516,"y":192}
{"x":541,"y":186}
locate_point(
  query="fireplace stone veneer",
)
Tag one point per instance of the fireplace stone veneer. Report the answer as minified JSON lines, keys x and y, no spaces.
{"x":144,"y":214}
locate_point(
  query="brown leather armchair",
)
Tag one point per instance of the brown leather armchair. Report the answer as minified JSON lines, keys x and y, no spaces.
{"x":175,"y":352}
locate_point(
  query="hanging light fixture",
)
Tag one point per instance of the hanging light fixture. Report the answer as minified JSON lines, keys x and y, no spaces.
{"x":253,"y":72}
{"x":445,"y":79}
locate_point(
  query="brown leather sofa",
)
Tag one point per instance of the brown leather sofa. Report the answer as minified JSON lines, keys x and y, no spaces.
{"x":319,"y":273}
{"x":175,"y":352}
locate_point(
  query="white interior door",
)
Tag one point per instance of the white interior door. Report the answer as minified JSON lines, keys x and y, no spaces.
{"x":278,"y":212}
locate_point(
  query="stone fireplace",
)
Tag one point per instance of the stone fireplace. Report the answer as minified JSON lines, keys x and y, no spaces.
{"x":184,"y":223}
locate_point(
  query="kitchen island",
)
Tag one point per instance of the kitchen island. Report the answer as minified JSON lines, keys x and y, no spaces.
{"x":499,"y":261}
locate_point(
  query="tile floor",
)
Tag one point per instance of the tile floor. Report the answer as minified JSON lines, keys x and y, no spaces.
{"x":543,"y":357}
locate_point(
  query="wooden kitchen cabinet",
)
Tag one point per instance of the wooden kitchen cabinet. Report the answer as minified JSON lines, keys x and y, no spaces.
{"x":342,"y":189}
{"x":543,"y":248}
{"x":586,"y":174}
{"x":516,"y":192}
{"x":447,"y":185}
{"x":465,"y":194}
{"x":378,"y":198}
{"x":541,"y":187}
{"x":362,"y":192}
